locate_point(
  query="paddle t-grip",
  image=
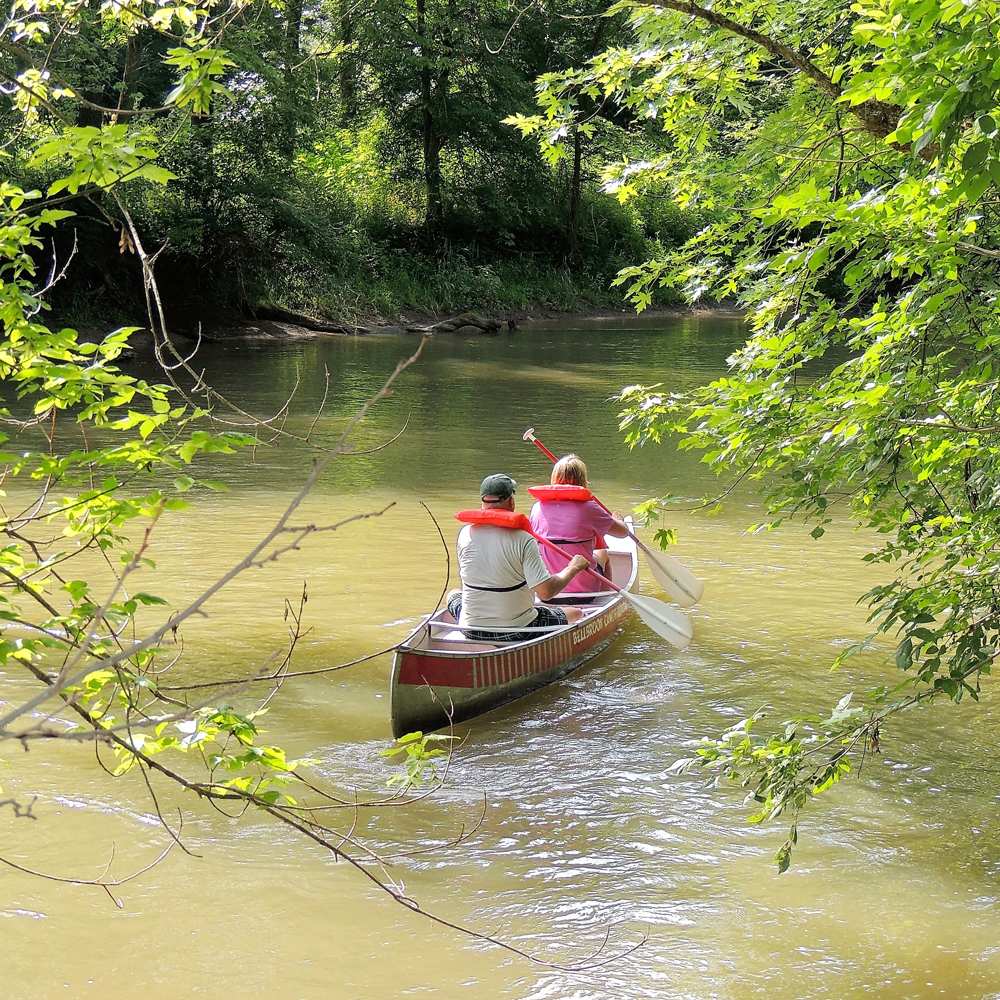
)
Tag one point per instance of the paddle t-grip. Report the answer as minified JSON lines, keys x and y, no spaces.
{"x":529,"y":435}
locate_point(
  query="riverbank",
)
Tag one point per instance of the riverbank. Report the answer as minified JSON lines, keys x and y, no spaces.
{"x":284,"y":325}
{"x":279,"y":325}
{"x":383,"y":282}
{"x":389,"y":286}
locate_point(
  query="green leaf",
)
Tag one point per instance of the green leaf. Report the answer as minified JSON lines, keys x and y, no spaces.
{"x":784,"y":857}
{"x":904,"y":654}
{"x":149,"y":599}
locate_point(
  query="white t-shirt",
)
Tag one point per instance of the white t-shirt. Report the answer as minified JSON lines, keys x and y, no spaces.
{"x":498,"y":558}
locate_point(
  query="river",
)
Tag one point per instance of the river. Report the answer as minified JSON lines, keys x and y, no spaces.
{"x":894,"y":887}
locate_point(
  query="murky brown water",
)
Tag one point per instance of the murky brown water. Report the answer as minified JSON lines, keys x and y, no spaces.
{"x":894,"y":891}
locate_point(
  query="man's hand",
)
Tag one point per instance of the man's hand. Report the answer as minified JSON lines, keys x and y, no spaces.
{"x":577,"y":565}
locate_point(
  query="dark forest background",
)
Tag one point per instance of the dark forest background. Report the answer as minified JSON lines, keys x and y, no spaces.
{"x":361,"y":167}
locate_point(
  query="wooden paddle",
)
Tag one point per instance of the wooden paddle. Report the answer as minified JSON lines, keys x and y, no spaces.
{"x":679,"y":582}
{"x":664,"y":621}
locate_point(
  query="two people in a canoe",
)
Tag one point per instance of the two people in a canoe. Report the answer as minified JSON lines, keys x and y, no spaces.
{"x":576,"y":525}
{"x":502,"y":571}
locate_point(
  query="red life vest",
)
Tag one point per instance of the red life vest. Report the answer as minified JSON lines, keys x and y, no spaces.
{"x":560,"y":492}
{"x":501,"y":518}
{"x":506,"y":519}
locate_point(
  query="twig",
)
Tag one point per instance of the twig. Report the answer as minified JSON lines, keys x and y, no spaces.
{"x":102,"y":880}
{"x":251,"y":559}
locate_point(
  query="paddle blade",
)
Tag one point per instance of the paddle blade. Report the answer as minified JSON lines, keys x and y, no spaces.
{"x":680,"y":583}
{"x":667,"y":623}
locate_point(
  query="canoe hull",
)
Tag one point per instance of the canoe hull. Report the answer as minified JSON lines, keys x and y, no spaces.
{"x":432,"y":687}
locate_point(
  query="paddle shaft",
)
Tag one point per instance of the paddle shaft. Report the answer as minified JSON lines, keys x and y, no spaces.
{"x":593,"y":566}
{"x":531,"y":437}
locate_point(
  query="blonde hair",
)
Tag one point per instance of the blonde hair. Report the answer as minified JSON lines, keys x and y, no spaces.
{"x":569,"y":471}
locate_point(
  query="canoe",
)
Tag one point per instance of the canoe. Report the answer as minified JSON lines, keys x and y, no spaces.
{"x":437,"y":671}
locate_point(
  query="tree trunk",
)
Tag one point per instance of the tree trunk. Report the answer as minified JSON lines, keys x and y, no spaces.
{"x":573,"y":255}
{"x":347,"y":70}
{"x":434,"y":213}
{"x":289,"y":103}
{"x":133,"y":71}
{"x":293,"y":31}
{"x":86,"y":116}
{"x":200,"y":181}
{"x":90,"y":16}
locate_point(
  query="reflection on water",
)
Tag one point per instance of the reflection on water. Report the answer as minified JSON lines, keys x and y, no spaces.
{"x":895,"y":887}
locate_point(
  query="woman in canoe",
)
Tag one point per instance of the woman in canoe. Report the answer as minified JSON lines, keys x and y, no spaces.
{"x":578,"y":525}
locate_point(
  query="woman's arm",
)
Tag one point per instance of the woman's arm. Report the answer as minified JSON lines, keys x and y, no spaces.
{"x":620,"y":530}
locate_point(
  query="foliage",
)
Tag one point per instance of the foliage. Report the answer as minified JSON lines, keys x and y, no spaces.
{"x":296,"y":144}
{"x":132,"y":435}
{"x":852,"y":158}
{"x":299,"y":144}
{"x":420,"y":759}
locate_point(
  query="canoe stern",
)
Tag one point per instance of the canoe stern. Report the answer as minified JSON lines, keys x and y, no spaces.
{"x":431,"y":689}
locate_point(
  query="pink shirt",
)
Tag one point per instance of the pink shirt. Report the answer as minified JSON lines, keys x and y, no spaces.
{"x":576,"y":526}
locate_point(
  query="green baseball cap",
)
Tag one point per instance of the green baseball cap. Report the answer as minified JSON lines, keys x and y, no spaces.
{"x":498,"y":486}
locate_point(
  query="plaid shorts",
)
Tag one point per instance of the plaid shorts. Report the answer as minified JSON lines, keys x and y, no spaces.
{"x":545,"y":616}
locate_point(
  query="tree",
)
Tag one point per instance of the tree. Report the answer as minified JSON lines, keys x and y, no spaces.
{"x":444,"y":73}
{"x":436,"y":81}
{"x":588,"y":113}
{"x":853,"y":157}
{"x":108,"y":454}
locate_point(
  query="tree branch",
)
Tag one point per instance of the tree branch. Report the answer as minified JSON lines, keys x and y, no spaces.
{"x":878,"y":118}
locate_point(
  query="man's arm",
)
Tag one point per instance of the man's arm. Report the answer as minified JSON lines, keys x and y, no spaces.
{"x":558,"y":582}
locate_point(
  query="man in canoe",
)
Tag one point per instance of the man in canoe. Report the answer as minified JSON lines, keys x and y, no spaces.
{"x":578,"y":526}
{"x":502,"y":571}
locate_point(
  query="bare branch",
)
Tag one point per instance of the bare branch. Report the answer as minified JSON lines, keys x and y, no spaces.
{"x":251,"y":559}
{"x":103,"y":880}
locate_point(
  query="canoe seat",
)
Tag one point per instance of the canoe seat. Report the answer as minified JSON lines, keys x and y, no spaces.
{"x":457,"y":638}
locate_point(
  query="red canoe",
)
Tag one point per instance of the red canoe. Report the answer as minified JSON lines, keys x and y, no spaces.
{"x":438,"y":672}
